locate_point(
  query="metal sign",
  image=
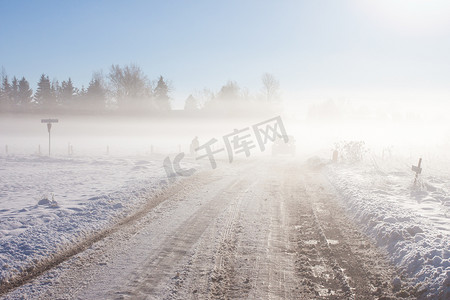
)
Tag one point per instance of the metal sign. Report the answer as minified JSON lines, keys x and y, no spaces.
{"x":416,"y":169}
{"x":49,"y":121}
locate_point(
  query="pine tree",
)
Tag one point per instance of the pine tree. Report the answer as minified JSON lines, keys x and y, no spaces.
{"x":55,"y":93}
{"x":229,"y":92}
{"x":191,"y":104}
{"x":14,"y":96}
{"x":43,"y":96}
{"x":67,"y":91}
{"x":161,"y":95}
{"x":25,"y":93}
{"x":96,"y":93}
{"x":81,"y":95}
{"x":2,"y":97}
{"x":6,"y":94}
{"x":6,"y":89}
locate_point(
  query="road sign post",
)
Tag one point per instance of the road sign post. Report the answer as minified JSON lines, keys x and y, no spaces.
{"x":49,"y":128}
{"x":417,"y":169}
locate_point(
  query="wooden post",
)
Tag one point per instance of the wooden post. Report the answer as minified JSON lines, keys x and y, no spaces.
{"x":417,"y":169}
{"x":49,"y":127}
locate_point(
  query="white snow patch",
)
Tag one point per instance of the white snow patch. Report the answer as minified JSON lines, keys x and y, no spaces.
{"x":411,"y":223}
{"x":47,"y":204}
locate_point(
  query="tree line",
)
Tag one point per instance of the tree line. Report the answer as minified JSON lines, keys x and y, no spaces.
{"x":232,"y":99}
{"x":124,"y":89}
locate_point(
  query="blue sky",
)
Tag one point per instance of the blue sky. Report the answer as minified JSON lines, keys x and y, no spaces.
{"x":318,"y":48}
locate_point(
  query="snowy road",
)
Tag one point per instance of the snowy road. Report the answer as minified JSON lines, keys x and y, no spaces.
{"x":271,"y":230}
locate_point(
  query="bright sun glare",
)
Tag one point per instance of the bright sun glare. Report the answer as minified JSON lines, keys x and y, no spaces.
{"x":411,"y":17}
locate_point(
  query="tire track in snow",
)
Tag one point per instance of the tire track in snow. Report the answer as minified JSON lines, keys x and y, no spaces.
{"x":223,"y":279}
{"x":361,"y":269}
{"x":161,"y":265}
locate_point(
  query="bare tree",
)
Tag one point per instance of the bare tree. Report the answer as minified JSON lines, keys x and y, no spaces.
{"x":204,"y":97}
{"x":130,"y":85}
{"x":271,"y":87}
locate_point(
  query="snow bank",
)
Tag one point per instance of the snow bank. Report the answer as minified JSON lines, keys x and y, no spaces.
{"x":411,"y":223}
{"x":47,"y":204}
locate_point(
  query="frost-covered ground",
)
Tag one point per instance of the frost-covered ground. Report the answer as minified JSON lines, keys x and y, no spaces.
{"x":47,"y":204}
{"x":411,"y":222}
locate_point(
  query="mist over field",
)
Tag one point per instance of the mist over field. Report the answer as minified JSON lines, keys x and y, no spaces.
{"x":419,"y":129}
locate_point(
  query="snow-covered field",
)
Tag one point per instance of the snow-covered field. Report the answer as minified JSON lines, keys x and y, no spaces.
{"x":412,"y":223}
{"x":47,"y":204}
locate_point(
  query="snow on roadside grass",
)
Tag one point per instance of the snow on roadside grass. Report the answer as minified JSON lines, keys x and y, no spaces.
{"x":412,"y":224}
{"x":89,"y":194}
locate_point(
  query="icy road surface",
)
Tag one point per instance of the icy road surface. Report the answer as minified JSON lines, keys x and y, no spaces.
{"x":246,"y":230}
